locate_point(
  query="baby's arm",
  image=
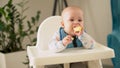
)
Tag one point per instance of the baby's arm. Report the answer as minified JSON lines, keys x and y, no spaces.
{"x":56,"y":44}
{"x":87,"y":41}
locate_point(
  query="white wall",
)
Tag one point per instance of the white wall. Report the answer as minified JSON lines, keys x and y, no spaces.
{"x":97,"y":15}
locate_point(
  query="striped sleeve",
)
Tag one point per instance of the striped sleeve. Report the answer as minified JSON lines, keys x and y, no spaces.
{"x":87,"y":41}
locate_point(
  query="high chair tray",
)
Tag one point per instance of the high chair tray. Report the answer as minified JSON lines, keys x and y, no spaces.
{"x":39,"y":57}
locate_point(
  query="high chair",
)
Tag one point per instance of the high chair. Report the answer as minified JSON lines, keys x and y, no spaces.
{"x":40,"y":55}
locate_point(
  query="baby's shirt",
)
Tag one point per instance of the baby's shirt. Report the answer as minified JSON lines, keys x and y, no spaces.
{"x":56,"y":44}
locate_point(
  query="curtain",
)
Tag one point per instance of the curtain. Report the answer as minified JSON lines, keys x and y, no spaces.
{"x":114,"y":38}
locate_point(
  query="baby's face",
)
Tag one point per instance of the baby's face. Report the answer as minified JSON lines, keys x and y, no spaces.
{"x":72,"y":19}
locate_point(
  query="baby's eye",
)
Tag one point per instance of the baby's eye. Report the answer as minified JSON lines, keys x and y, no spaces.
{"x":71,"y":19}
{"x":79,"y":20}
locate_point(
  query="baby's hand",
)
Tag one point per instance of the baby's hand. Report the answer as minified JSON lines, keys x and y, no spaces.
{"x":67,"y":40}
{"x":78,"y":30}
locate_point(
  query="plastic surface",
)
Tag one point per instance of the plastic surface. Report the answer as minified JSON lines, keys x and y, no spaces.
{"x":40,"y":55}
{"x":69,"y":55}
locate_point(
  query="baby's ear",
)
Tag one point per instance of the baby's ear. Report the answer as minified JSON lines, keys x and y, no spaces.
{"x":62,"y":24}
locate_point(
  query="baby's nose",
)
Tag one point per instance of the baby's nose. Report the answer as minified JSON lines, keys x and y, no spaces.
{"x":76,"y":24}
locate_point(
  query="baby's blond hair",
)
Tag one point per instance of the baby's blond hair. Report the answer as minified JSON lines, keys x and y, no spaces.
{"x":71,"y":8}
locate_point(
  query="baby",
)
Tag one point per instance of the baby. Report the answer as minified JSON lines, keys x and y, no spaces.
{"x":71,"y":33}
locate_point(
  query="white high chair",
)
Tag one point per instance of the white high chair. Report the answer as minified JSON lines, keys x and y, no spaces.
{"x":40,"y":55}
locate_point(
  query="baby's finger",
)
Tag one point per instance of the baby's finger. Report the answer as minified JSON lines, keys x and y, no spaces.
{"x":70,"y":37}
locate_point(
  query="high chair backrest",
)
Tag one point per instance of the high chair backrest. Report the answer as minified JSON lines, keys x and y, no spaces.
{"x":46,"y":30}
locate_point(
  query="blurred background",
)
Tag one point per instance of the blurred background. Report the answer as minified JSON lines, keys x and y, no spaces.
{"x":97,"y":16}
